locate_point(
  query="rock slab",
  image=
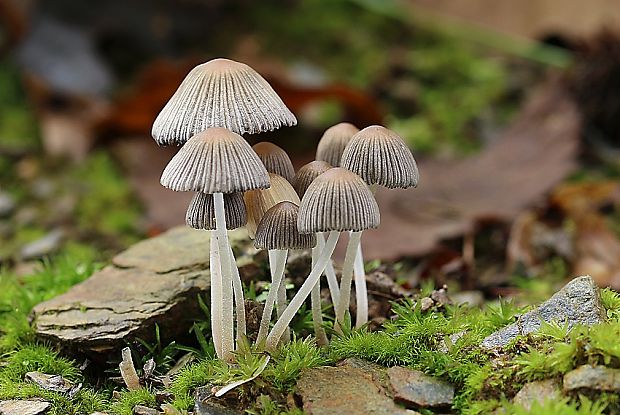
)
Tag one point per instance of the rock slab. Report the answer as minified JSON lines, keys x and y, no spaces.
{"x":26,"y":407}
{"x":578,"y":302}
{"x":538,"y":391}
{"x":415,"y":388}
{"x":598,"y":378}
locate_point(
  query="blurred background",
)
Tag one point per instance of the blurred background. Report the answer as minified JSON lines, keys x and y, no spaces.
{"x":512,"y":110}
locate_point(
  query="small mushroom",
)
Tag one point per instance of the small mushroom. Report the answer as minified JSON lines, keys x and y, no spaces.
{"x":338,"y":200}
{"x":221,"y":93}
{"x":275,"y":159}
{"x":334,"y":141}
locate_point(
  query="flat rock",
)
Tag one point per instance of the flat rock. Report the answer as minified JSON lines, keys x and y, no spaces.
{"x":351,"y":388}
{"x":26,"y":407}
{"x":415,"y":388}
{"x":205,"y":404}
{"x":43,"y":246}
{"x":537,"y":391}
{"x":54,"y":383}
{"x":578,"y":302}
{"x":598,"y":378}
{"x":154,"y":282}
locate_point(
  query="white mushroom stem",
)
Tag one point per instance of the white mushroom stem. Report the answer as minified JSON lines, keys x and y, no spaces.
{"x":330,"y":273}
{"x":281,"y":297}
{"x":315,"y":299}
{"x":277,"y":265}
{"x":345,"y":280}
{"x":361,"y":292}
{"x":239,"y":300}
{"x":227,"y":329}
{"x":304,"y":291}
{"x":216,"y":294}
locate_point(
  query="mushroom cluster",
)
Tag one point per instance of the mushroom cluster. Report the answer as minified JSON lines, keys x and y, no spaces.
{"x":257,"y":187}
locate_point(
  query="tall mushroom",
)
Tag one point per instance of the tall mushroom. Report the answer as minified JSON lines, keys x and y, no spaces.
{"x":380,"y":157}
{"x":336,"y":201}
{"x":333,"y":142}
{"x":218,"y":161}
{"x":275,"y":159}
{"x":277,"y":232}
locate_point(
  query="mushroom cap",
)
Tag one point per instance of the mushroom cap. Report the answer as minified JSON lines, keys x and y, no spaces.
{"x":201,"y":211}
{"x":278,"y":229}
{"x":338,"y":200}
{"x":380,"y":156}
{"x":275,"y":159}
{"x":220,"y":93}
{"x":257,"y":202}
{"x":334,"y":141}
{"x":307,"y":173}
{"x":215,"y":161}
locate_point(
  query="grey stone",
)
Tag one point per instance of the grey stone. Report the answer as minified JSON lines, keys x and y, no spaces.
{"x":26,"y":407}
{"x":537,"y":391}
{"x":43,"y":246}
{"x":578,"y":302}
{"x":54,"y":383}
{"x":598,"y":378}
{"x":7,"y":204}
{"x":144,"y":410}
{"x":415,"y":388}
{"x":205,"y":404}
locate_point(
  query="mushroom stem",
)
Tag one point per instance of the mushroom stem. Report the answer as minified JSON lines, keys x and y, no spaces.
{"x":239,"y":300}
{"x":216,"y":294}
{"x":345,"y":281}
{"x":281,"y":297}
{"x":304,"y":291}
{"x":330,"y":273}
{"x":277,"y":265}
{"x":227,"y":322}
{"x":361,"y":292}
{"x":315,"y":298}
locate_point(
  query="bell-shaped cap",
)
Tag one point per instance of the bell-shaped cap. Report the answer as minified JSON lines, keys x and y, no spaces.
{"x":334,"y":140}
{"x":275,"y":159}
{"x":307,"y":173}
{"x":201,"y":211}
{"x":380,"y":156}
{"x":338,"y":200}
{"x":215,"y":161}
{"x":278,"y":229}
{"x":221,"y":93}
{"x":257,"y":202}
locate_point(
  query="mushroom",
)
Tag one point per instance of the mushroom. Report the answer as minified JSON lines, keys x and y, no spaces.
{"x":218,"y":161}
{"x":277,"y":232}
{"x":337,"y":200}
{"x":303,"y":178}
{"x":275,"y":159}
{"x":201,"y":215}
{"x":380,"y":157}
{"x":334,"y":141}
{"x":221,"y":93}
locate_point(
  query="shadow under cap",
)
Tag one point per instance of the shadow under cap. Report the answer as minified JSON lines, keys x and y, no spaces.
{"x":275,"y":159}
{"x":215,"y":161}
{"x":201,"y":211}
{"x":221,"y":93}
{"x":334,"y":141}
{"x":380,"y":156}
{"x":338,"y":200}
{"x":307,"y":173}
{"x":278,"y":229}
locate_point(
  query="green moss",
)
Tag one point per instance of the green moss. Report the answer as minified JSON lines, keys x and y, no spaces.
{"x":128,"y":399}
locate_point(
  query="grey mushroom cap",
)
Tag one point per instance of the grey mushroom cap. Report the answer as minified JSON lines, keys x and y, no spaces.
{"x":334,"y":141}
{"x":201,"y":211}
{"x":278,"y":229}
{"x":306,"y":175}
{"x":215,"y":161}
{"x":380,"y":156}
{"x":338,"y":200}
{"x":221,"y":93}
{"x":275,"y":159}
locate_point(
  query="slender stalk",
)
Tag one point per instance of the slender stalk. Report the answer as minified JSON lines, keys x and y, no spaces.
{"x":315,"y":298}
{"x":228,"y":341}
{"x":216,"y":294}
{"x":304,"y":291}
{"x":281,"y":297}
{"x":361,"y":292}
{"x":277,"y":265}
{"x":239,"y":300}
{"x":330,"y":273}
{"x":345,"y":280}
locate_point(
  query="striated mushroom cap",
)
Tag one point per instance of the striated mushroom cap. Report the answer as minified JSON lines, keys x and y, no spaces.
{"x":307,"y":173}
{"x":380,"y":156}
{"x":278,"y":229}
{"x":220,"y":93}
{"x":275,"y":159}
{"x":257,"y":202}
{"x":215,"y":161}
{"x":334,"y":140}
{"x":338,"y":200}
{"x":201,"y":211}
